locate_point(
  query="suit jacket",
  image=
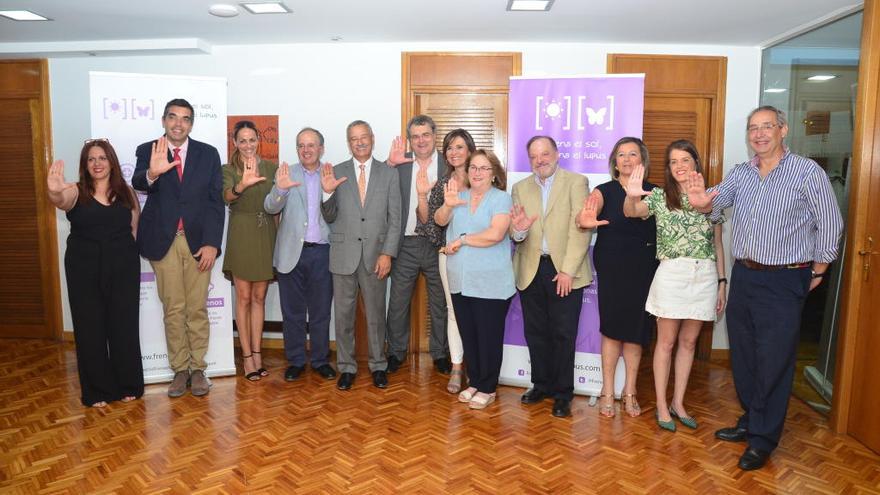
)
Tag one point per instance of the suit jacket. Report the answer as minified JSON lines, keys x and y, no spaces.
{"x":406,"y":177}
{"x":363,"y":232}
{"x":294,"y":220}
{"x":197,"y":199}
{"x":567,"y":243}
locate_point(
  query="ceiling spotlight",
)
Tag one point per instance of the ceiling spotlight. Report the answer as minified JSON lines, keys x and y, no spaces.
{"x":336,"y":38}
{"x":529,"y":5}
{"x":821,"y":77}
{"x":223,"y":10}
{"x":22,"y":15}
{"x":266,"y":8}
{"x":775,"y":90}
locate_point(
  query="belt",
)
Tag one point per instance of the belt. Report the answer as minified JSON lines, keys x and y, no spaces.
{"x":307,"y":244}
{"x":754,"y":265}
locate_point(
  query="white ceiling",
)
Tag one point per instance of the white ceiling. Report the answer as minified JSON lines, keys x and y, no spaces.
{"x":155,"y":23}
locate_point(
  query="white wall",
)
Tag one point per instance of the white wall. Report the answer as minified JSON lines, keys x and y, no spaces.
{"x":328,"y":85}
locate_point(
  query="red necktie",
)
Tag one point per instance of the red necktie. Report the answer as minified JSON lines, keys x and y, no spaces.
{"x":176,"y":158}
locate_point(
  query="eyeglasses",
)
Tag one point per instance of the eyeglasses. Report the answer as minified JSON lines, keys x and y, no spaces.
{"x":96,"y":140}
{"x":763,"y":127}
{"x":484,"y":170}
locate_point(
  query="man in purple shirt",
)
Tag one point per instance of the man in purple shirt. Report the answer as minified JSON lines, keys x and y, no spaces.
{"x":302,"y":257}
{"x":785,"y":228}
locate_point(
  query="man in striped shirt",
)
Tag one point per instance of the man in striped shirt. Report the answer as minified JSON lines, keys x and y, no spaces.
{"x":786,"y":228}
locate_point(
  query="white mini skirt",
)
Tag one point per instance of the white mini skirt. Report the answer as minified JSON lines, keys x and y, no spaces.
{"x":684,"y":289}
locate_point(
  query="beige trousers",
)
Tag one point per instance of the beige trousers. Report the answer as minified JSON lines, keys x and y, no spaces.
{"x":183,"y":290}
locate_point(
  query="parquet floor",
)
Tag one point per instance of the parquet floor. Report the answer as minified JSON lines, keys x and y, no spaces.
{"x":308,"y":437}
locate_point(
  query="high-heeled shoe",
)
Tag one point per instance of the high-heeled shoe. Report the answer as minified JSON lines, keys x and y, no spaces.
{"x":455,"y":378}
{"x":666,"y":425}
{"x":262,"y":371}
{"x":688,"y":421}
{"x":607,"y":410}
{"x":253,"y":376}
{"x":631,"y":405}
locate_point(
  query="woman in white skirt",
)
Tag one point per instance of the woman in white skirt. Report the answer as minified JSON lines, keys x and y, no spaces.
{"x":689,"y":286}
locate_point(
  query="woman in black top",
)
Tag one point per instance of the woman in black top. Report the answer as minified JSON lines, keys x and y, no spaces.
{"x":103,"y":274}
{"x":625,"y":260}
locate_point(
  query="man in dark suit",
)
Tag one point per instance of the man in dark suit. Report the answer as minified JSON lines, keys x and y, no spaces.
{"x":179,"y":232}
{"x":362,"y":208}
{"x":418,"y":173}
{"x":551,"y":269}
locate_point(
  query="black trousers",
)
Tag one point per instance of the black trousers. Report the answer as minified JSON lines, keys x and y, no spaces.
{"x":481,"y":325}
{"x":551,"y":325}
{"x":763,"y":325}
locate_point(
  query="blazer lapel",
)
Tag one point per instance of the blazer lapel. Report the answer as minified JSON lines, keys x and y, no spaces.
{"x":558,"y":185}
{"x":347,"y":170}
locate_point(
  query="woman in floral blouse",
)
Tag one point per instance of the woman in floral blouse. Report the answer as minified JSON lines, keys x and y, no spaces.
{"x":689,"y":286}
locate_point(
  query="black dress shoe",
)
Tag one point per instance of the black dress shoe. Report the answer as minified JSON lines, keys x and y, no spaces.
{"x":732,"y":434}
{"x":346,"y":380}
{"x":393,"y":364}
{"x":561,"y":408}
{"x":380,"y":379}
{"x":753,"y":459}
{"x":292,"y":373}
{"x":533,"y":396}
{"x":443,"y":365}
{"x":326,"y":371}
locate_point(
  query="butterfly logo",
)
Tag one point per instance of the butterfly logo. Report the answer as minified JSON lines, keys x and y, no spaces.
{"x":142,"y":109}
{"x":596,"y":117}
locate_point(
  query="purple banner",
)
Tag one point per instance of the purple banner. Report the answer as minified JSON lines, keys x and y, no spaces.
{"x":588,"y":339}
{"x":585,"y":115}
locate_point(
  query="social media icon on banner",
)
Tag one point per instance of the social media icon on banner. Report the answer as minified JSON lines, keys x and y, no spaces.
{"x":115,"y":108}
{"x":142,"y":109}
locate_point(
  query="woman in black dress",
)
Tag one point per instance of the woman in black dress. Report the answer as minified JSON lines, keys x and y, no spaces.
{"x":103,"y":274}
{"x":625,"y":261}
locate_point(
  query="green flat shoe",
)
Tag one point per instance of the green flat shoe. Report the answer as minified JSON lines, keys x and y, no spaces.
{"x":665,"y":425}
{"x":688,"y":421}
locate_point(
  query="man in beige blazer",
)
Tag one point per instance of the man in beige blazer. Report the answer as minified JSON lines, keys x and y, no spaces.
{"x":551,"y":268}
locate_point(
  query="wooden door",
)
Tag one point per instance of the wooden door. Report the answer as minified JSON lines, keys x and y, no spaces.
{"x":29,"y":281}
{"x":467,"y":90}
{"x":684,"y":99}
{"x":856,"y":400}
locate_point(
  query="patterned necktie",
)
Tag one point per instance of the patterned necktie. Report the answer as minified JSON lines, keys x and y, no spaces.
{"x":362,"y":184}
{"x":176,"y":158}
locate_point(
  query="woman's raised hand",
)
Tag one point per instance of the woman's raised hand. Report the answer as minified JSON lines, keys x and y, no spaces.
{"x":634,"y":186}
{"x":587,"y":217}
{"x":55,"y":178}
{"x":450,"y":195}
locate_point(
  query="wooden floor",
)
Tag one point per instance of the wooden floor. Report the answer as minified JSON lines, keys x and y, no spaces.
{"x":308,"y":437}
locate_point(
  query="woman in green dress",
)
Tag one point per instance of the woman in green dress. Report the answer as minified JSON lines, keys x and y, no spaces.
{"x":249,"y":242}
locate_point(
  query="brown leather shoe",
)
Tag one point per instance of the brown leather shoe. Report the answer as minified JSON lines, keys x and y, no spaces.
{"x":179,"y":384}
{"x":199,"y":383}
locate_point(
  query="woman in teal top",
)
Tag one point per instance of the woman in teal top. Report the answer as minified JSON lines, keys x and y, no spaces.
{"x":689,"y":286}
{"x":479,"y":270}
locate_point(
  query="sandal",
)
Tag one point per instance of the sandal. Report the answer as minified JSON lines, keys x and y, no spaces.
{"x":454,"y":385}
{"x":262,"y":371}
{"x":467,"y":394}
{"x":607,"y":409}
{"x":253,"y":376}
{"x":631,"y":405}
{"x":481,"y":400}
{"x":128,"y":398}
{"x":99,"y":404}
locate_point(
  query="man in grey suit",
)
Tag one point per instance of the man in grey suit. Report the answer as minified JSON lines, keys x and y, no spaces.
{"x":302,"y":257}
{"x":418,"y":173}
{"x":362,"y":208}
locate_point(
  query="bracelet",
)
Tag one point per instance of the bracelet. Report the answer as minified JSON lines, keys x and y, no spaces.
{"x":234,"y":191}
{"x":722,"y":279}
{"x":815,"y":274}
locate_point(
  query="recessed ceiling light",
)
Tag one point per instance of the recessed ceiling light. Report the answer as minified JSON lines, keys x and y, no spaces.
{"x":775,"y":90}
{"x":529,"y":5}
{"x":821,"y":77}
{"x":223,"y":10}
{"x":336,"y":38}
{"x":22,"y":15}
{"x":266,"y":8}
